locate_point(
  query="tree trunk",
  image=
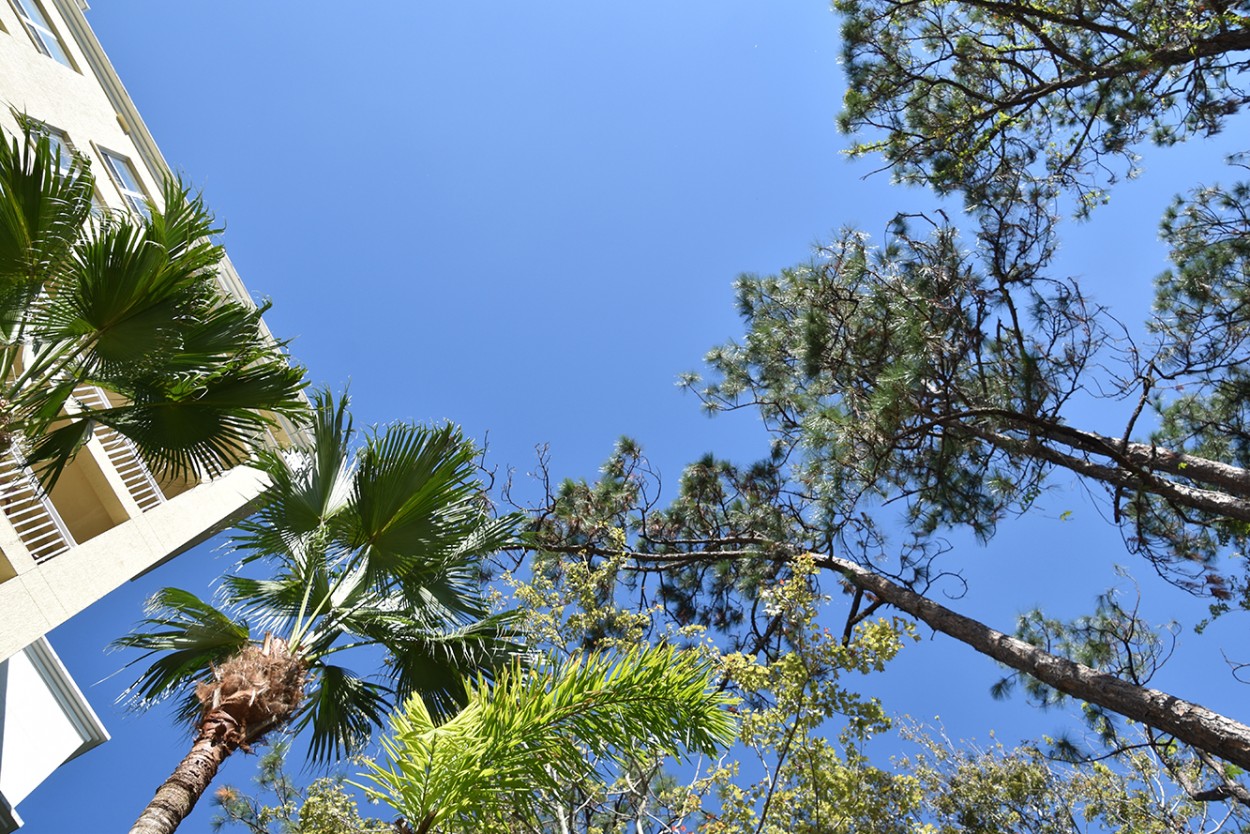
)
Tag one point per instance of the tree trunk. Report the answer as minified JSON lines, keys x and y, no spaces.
{"x":178,"y":795}
{"x":250,"y":694}
{"x":1185,"y":721}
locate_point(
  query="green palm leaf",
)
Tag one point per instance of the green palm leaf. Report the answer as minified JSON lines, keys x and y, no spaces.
{"x":447,"y":595}
{"x":134,"y":308}
{"x":415,"y":498}
{"x":119,"y":300}
{"x":487,"y":537}
{"x":41,"y":215}
{"x":341,"y":713}
{"x":311,"y":488}
{"x":186,"y":636}
{"x":204,"y":421}
{"x":536,"y":731}
{"x":453,"y":585}
{"x":221,"y":333}
{"x":55,"y":449}
{"x":274,"y":603}
{"x":184,"y":226}
{"x":378,"y":547}
{"x":430,"y":661}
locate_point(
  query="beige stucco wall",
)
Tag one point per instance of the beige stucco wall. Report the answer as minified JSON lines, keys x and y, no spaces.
{"x":118,"y":540}
{"x":44,"y":596}
{"x":89,"y":105}
{"x":69,"y":100}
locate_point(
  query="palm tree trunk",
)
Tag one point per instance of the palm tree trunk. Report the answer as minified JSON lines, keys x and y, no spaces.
{"x":177,"y":796}
{"x":1186,"y":721}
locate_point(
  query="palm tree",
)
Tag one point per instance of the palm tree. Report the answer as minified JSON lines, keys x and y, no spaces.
{"x":131,"y":307}
{"x":530,"y":739}
{"x":381,"y":548}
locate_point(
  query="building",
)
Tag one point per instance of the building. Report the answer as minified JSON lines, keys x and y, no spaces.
{"x":107,"y":520}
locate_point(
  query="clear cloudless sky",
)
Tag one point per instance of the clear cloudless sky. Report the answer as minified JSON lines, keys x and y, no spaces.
{"x":526,"y":218}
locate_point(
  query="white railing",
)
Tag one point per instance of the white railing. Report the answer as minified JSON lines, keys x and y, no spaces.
{"x":30,"y":511}
{"x":134,"y":473}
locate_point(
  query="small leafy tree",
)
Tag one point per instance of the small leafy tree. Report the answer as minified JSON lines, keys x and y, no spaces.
{"x":519,"y":746}
{"x":324,"y":806}
{"x":804,"y":759}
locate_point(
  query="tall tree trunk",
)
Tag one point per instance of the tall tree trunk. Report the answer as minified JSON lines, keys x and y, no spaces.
{"x":251,"y":693}
{"x":177,"y":796}
{"x":1186,"y":721}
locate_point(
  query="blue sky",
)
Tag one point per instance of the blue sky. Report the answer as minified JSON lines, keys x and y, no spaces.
{"x":526,"y":218}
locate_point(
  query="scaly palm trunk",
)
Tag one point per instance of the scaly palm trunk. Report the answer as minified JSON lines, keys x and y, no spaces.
{"x":252,"y":693}
{"x":177,"y":796}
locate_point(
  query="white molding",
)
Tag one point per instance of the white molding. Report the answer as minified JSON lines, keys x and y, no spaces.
{"x":72,"y":13}
{"x":68,"y":696}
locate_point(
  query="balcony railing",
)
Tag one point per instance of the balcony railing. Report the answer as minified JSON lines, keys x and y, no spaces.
{"x":29,"y":508}
{"x":122,"y":454}
{"x":30,"y":511}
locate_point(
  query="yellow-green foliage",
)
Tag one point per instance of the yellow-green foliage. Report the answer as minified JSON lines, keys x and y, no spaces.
{"x":581,"y":747}
{"x":568,"y":602}
{"x":812,"y":783}
{"x":537,"y":731}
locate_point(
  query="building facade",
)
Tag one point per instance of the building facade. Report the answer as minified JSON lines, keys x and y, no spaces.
{"x":108,"y":519}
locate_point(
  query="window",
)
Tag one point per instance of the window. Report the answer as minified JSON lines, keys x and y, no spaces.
{"x":127,"y":182}
{"x":41,"y":31}
{"x":67,"y":157}
{"x":61,"y":147}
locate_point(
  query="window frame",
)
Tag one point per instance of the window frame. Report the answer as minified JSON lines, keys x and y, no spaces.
{"x":67,"y":154}
{"x":34,"y":19}
{"x":65,"y":149}
{"x":138,"y":201}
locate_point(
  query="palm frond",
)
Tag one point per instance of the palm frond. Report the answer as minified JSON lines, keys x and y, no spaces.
{"x":488,"y":537}
{"x":378,"y":547}
{"x":310,"y":487}
{"x":532,"y":732}
{"x":216,"y":334}
{"x":204,"y":421}
{"x":184,"y":226}
{"x":341,"y":713}
{"x":42,"y":213}
{"x":450,"y":587}
{"x":415,"y":498}
{"x":134,"y":308}
{"x":118,"y":301}
{"x":54,"y":450}
{"x":432,"y":663}
{"x":274,"y":604}
{"x":187,"y":636}
{"x":444,"y":597}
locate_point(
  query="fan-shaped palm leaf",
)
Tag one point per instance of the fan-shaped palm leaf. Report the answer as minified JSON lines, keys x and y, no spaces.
{"x":429,"y":659}
{"x":311,"y":488}
{"x":184,"y":227}
{"x":118,"y":297}
{"x":200,"y":420}
{"x":382,"y":551}
{"x":342,"y":712}
{"x":132,"y":307}
{"x":186,"y":636}
{"x":42,"y":213}
{"x":274,"y":604}
{"x":415,"y":501}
